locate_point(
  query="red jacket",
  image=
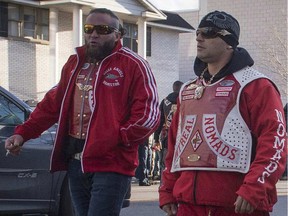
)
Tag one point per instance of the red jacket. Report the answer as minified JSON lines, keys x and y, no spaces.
{"x":125,"y":112}
{"x":258,"y":102}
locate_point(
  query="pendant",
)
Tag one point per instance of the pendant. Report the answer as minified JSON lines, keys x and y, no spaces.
{"x":199,"y":92}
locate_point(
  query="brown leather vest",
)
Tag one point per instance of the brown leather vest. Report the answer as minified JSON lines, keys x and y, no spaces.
{"x":83,"y":101}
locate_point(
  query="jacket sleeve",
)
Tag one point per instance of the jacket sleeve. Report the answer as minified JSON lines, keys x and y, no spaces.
{"x":168,"y":178}
{"x":43,"y":117}
{"x":47,"y":110}
{"x":143,"y":118}
{"x":262,"y":109}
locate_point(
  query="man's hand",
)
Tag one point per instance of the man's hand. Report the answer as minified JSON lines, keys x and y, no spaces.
{"x":157,"y":146}
{"x":242,"y":206}
{"x":170,"y":209}
{"x":13,"y":144}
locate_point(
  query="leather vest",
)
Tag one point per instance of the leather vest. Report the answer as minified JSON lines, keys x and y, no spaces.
{"x":212,"y":134}
{"x":83,"y":102}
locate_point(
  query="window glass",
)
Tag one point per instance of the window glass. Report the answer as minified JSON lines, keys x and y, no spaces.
{"x":131,"y":37}
{"x":10,"y":114}
{"x":14,"y":28}
{"x":28,"y":22}
{"x":13,"y":12}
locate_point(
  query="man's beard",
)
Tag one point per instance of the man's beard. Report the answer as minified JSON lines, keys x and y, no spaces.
{"x":95,"y":54}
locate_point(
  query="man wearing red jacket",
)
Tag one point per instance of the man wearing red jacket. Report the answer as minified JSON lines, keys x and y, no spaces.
{"x":105,"y":104}
{"x":227,"y":141}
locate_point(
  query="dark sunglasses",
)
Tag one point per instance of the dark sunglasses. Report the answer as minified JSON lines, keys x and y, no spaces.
{"x":100,"y":29}
{"x":211,"y":32}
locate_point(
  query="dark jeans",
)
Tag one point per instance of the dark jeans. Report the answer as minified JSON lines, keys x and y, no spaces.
{"x":96,"y":194}
{"x":143,"y":167}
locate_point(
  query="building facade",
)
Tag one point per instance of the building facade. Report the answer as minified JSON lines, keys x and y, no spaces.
{"x":32,"y":56}
{"x":37,"y":37}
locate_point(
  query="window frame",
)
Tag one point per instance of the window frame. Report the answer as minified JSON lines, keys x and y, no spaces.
{"x":14,"y":23}
{"x":131,"y":42}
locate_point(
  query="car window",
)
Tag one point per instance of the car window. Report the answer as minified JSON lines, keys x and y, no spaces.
{"x":10,"y":114}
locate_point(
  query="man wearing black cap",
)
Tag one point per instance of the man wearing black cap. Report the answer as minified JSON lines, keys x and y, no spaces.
{"x":226,"y":144}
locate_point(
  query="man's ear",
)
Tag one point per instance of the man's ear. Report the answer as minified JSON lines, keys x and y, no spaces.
{"x":118,"y":36}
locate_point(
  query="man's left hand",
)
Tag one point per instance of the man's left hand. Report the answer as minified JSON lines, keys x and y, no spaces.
{"x":242,"y":206}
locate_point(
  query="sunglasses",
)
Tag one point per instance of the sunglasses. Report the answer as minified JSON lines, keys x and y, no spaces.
{"x":100,"y":29}
{"x":211,"y":32}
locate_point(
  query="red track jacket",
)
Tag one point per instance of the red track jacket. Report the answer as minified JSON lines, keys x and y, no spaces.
{"x":125,"y":112}
{"x":258,"y":102}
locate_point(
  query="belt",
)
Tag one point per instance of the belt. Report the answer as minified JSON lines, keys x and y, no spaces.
{"x":77,"y":156}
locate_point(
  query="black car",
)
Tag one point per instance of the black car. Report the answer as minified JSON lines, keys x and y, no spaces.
{"x":26,"y":185}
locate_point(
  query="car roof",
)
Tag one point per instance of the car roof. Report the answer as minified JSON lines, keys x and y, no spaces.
{"x":14,"y":98}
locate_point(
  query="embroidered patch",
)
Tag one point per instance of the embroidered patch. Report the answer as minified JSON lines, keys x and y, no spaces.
{"x":187,"y":92}
{"x":112,"y":76}
{"x":227,"y":83}
{"x":224,"y":88}
{"x":196,"y":140}
{"x":187,"y":97}
{"x":189,"y":124}
{"x":222,"y":94}
{"x":222,"y":149}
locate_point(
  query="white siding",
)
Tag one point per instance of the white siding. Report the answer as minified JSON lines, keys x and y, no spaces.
{"x":164,"y":59}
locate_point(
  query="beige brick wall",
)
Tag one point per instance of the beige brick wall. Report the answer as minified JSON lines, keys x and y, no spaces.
{"x":187,"y":47}
{"x":65,"y":38}
{"x":4,"y":69}
{"x":263,"y":25}
{"x":24,"y":63}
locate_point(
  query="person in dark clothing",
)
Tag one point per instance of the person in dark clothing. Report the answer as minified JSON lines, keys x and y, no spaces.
{"x":167,"y":108}
{"x":142,"y":169}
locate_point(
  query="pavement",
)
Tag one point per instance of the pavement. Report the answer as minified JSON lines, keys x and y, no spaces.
{"x":150,"y":193}
{"x":282,"y":188}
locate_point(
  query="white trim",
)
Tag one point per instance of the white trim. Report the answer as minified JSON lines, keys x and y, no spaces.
{"x":171,"y":27}
{"x":77,"y":25}
{"x":81,"y":2}
{"x":153,"y":8}
{"x":25,"y":2}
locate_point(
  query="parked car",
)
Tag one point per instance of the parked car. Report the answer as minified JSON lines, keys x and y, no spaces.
{"x":26,"y":185}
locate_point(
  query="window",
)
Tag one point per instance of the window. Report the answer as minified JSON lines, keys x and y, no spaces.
{"x":22,"y":21}
{"x":3,"y":19}
{"x":131,"y":36}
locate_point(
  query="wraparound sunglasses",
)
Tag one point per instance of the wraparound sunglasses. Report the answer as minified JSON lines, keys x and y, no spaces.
{"x":100,"y":29}
{"x":211,"y":32}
